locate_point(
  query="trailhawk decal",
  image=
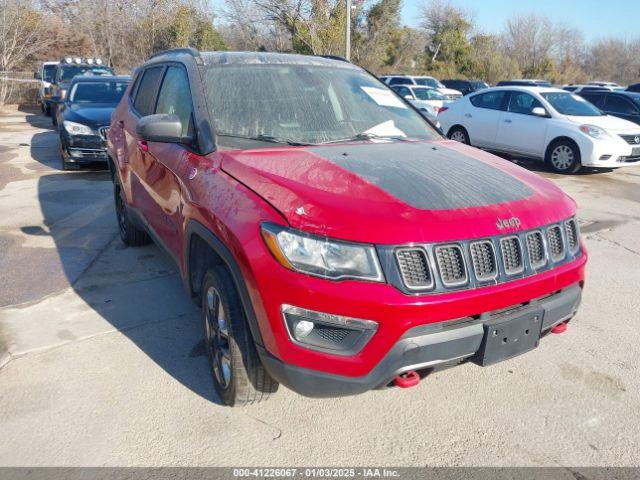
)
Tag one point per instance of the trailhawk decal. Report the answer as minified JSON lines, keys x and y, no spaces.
{"x":426,"y":176}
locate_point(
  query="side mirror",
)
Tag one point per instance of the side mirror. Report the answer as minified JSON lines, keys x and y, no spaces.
{"x":539,"y":112}
{"x":161,"y":127}
{"x":37,"y":75}
{"x":408,"y":97}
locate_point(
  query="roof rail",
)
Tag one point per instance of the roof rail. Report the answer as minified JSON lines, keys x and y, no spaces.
{"x":186,"y":50}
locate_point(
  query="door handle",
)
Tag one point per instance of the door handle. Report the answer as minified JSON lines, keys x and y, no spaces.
{"x":508,"y":120}
{"x":143,"y":145}
{"x":468,"y":115}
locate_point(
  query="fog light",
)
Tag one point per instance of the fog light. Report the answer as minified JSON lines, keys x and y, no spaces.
{"x":302,"y":329}
{"x":326,"y":332}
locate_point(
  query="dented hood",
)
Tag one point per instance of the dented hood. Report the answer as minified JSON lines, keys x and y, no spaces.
{"x":398,"y":192}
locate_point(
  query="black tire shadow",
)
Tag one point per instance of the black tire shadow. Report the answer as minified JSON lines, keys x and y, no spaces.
{"x":151,"y":307}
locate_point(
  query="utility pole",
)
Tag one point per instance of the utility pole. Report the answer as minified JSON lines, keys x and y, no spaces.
{"x":347,"y":32}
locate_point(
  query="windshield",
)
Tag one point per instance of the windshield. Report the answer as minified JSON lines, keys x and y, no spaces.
{"x":428,"y":82}
{"x":93,"y":92}
{"x":428,"y":94}
{"x":307,"y":104}
{"x":48,"y":72}
{"x":70,"y":71}
{"x":570,"y":104}
{"x":480,"y":85}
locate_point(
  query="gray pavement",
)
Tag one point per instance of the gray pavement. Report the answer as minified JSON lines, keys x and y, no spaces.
{"x":106,"y":366}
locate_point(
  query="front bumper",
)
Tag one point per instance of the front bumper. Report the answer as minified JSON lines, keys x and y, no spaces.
{"x":428,"y":346}
{"x":610,"y":154}
{"x":83,"y":148}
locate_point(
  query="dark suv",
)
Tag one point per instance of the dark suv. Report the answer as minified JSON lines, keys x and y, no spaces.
{"x":619,"y":104}
{"x":334,"y":240}
{"x":466,"y":86}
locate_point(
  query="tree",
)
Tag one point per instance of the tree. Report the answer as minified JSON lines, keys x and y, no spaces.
{"x":21,"y":36}
{"x":529,"y":39}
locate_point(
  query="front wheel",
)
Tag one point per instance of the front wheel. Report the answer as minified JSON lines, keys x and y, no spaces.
{"x":459,"y":134}
{"x":563,"y":157}
{"x":238,"y":375}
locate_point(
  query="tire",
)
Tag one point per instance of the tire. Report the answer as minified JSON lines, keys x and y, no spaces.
{"x":130,"y":234}
{"x":459,"y":134}
{"x":238,"y":375}
{"x":563,"y":156}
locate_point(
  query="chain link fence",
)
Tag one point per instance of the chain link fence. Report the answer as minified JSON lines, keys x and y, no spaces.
{"x":18,"y":88}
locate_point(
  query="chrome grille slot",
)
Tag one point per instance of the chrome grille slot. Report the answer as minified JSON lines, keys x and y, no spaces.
{"x":453,"y":270}
{"x":414,"y":268}
{"x":631,"y":139}
{"x":483,"y":258}
{"x":571,"y":230}
{"x":556,"y":244}
{"x":535,"y":248}
{"x":512,"y":255}
{"x":103,"y":131}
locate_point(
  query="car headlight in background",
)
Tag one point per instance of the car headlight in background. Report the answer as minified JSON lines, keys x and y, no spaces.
{"x":321,"y":256}
{"x":74,"y":128}
{"x":594,"y":132}
{"x":62,"y":93}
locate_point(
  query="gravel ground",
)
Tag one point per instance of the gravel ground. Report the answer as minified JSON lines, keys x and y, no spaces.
{"x":107,"y":367}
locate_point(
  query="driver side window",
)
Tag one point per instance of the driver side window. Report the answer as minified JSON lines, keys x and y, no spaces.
{"x":522,"y":103}
{"x":175,"y":97}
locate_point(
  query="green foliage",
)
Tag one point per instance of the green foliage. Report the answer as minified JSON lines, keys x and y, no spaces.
{"x":188,"y":27}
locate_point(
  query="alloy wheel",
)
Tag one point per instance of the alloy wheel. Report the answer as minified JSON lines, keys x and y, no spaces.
{"x":122,"y":215}
{"x":459,"y":136}
{"x":562,"y":157}
{"x":217,"y":337}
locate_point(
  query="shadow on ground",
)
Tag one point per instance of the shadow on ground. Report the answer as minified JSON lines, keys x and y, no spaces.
{"x":138,"y":291}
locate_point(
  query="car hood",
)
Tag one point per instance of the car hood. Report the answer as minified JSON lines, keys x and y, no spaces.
{"x":607,"y":122}
{"x":398,"y":192}
{"x":94,"y":115}
{"x":449,"y":91}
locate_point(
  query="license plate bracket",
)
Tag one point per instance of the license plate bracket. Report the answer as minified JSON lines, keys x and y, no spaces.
{"x":505,"y":339}
{"x":635,"y":152}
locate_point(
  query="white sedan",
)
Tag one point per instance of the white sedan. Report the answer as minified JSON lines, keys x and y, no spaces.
{"x":549,"y":124}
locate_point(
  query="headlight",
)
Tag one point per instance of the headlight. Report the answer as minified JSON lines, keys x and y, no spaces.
{"x":594,"y":132}
{"x":74,"y":128}
{"x":320,"y":256}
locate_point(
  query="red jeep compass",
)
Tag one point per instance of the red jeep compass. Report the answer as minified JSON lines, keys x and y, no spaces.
{"x":334,"y":239}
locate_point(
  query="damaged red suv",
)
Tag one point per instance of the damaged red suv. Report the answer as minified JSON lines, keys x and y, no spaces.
{"x":334,"y":239}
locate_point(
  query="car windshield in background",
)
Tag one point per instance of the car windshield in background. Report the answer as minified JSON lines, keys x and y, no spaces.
{"x":68,"y":72}
{"x":428,"y":94}
{"x":428,"y":82}
{"x":97,"y":92}
{"x":479,"y":85}
{"x":570,"y":104}
{"x":49,"y":72}
{"x":307,"y":104}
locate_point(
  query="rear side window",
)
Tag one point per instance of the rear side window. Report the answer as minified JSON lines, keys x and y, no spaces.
{"x":146,"y":93}
{"x":175,"y":96}
{"x":402,"y":91}
{"x":617,"y":104}
{"x":521,"y":102}
{"x":490,"y":100}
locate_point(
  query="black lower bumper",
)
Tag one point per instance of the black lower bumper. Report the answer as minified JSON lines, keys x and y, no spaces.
{"x":424,"y":347}
{"x":83,"y":148}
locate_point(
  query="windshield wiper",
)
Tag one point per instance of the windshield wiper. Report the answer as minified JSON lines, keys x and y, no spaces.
{"x":263,"y":138}
{"x":366,"y":136}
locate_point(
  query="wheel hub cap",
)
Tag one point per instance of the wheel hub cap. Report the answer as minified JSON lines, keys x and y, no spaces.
{"x":562,"y":157}
{"x":217,"y":337}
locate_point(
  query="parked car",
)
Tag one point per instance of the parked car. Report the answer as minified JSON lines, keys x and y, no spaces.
{"x":335,"y":241}
{"x":600,"y":83}
{"x":466,"y":86}
{"x":65,"y":71}
{"x":579,"y":89}
{"x":85,"y":115}
{"x":549,"y":124}
{"x":633,"y":88}
{"x":423,"y":81}
{"x":425,"y":99}
{"x":625,"y":105}
{"x":523,"y":83}
{"x":46,"y":75}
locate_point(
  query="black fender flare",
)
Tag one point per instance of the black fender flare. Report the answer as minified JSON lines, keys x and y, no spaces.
{"x":196,"y":228}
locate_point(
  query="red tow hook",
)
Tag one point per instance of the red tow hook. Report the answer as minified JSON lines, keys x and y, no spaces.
{"x":559,"y":328}
{"x":407,"y":379}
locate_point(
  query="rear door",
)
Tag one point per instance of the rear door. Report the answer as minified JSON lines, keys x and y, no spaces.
{"x":137,"y":160}
{"x":481,"y":119}
{"x":520,"y":131}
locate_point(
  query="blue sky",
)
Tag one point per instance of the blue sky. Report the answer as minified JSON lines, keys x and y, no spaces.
{"x":595,"y":18}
